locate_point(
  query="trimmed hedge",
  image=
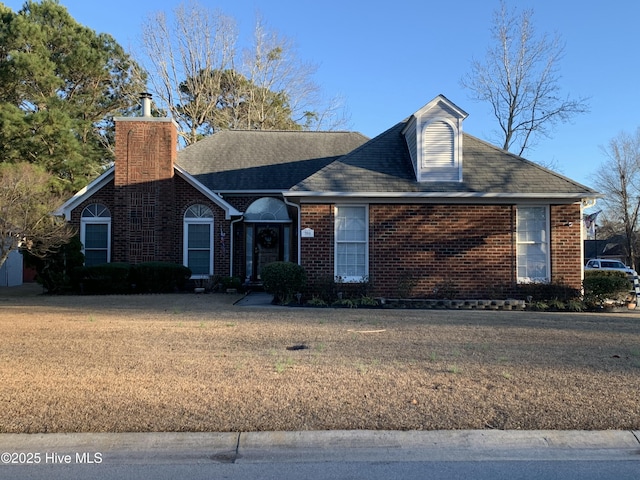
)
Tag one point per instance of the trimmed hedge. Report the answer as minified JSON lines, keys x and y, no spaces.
{"x":150,"y":277}
{"x":160,"y":277}
{"x":544,"y":292}
{"x":606,"y":285}
{"x":283,"y":280}
{"x":104,"y":278}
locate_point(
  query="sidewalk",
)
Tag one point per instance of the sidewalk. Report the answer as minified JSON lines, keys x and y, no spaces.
{"x":318,"y":446}
{"x":256,"y":299}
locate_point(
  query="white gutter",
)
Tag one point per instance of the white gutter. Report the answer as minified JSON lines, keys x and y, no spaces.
{"x":248,"y":192}
{"x":442,"y":195}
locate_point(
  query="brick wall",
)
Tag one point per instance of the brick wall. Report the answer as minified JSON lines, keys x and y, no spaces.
{"x":317,"y":253}
{"x":143,"y":218}
{"x":566,"y":246}
{"x":421,"y":250}
{"x":427,"y":249}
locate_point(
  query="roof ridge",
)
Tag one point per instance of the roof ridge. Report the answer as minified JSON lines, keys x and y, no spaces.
{"x":333,"y":164}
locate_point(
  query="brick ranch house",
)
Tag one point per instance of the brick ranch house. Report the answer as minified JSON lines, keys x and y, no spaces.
{"x":422,"y":204}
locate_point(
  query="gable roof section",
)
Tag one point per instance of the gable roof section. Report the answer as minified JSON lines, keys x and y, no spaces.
{"x":257,"y":160}
{"x":229,"y":210}
{"x":383,"y":166}
{"x":108,"y":176}
{"x":81,"y":195}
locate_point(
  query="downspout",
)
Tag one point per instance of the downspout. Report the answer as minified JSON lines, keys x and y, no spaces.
{"x":232,"y":243}
{"x":299,"y":226}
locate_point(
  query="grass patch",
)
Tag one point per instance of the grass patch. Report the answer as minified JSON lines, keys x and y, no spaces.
{"x":282,"y":365}
{"x":140,"y":368}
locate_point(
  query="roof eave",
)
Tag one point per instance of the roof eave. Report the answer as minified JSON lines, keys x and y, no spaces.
{"x":447,"y":196}
{"x":65,"y":209}
{"x":229,"y":210}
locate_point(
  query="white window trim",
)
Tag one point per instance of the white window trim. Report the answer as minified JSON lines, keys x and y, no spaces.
{"x":355,"y":278}
{"x":185,"y":242}
{"x":84,"y":221}
{"x":96,"y":221}
{"x":547,"y":227}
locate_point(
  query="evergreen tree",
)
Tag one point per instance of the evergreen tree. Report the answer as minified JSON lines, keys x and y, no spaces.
{"x":60,"y":85}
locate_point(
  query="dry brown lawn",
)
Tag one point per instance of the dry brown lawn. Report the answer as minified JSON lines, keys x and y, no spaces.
{"x":189,"y":362}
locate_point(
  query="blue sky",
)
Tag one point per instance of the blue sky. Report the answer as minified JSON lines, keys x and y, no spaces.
{"x":388,"y":59}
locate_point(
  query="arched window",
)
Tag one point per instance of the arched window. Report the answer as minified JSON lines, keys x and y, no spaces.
{"x":198,"y":240}
{"x":95,"y":234}
{"x":267,"y":209}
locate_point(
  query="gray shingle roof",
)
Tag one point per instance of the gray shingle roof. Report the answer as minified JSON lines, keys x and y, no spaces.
{"x":384,"y":165}
{"x":347,"y":162}
{"x":264,"y":160}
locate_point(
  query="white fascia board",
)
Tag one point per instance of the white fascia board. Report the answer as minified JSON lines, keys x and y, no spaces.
{"x":229,"y":210}
{"x":249,"y":192}
{"x":84,"y":193}
{"x":442,"y":196}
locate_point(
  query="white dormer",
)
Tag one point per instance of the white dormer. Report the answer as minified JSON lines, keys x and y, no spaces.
{"x":434,"y":137}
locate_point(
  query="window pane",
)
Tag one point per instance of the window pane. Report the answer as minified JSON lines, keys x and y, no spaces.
{"x":267,"y":208}
{"x":95,"y":235}
{"x":198,"y":211}
{"x":199,"y":236}
{"x":350,"y":224}
{"x":532,"y":244}
{"x":95,"y":257}
{"x":198,"y":240}
{"x":351,"y":259}
{"x":198,"y":262}
{"x":351,"y":242}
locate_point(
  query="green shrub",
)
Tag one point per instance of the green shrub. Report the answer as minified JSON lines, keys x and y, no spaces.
{"x":546,"y":292}
{"x":345,"y":302}
{"x":55,"y":271}
{"x":605,"y":285}
{"x":159,"y":277}
{"x":283,"y":280}
{"x":353,"y":289}
{"x":365,"y":301}
{"x":104,"y":278}
{"x":317,"y":302}
{"x":231,"y":282}
{"x":150,"y":277}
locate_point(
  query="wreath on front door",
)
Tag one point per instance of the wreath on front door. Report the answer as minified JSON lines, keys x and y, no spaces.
{"x":268,"y":237}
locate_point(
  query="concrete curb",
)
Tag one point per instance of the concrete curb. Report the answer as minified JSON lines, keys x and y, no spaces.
{"x":441,"y":439}
{"x":322,"y":446}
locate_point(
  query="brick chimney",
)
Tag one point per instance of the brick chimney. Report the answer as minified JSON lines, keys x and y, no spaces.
{"x":144,"y":220}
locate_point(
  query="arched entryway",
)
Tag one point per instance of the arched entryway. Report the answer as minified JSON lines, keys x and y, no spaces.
{"x":267,"y":235}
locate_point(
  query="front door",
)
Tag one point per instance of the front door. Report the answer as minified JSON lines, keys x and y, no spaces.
{"x":267,"y":247}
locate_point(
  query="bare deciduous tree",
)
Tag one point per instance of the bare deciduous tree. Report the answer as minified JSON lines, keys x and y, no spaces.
{"x":519,"y":78}
{"x":272,"y":66}
{"x":186,"y":57}
{"x":619,"y":179}
{"x":198,"y":74}
{"x":26,"y":206}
